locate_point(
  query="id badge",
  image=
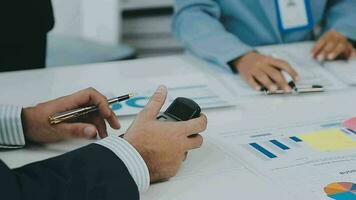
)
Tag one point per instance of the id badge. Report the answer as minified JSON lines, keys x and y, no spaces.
{"x":294,"y":15}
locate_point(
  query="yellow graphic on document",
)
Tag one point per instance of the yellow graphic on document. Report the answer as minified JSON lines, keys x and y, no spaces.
{"x":329,"y":140}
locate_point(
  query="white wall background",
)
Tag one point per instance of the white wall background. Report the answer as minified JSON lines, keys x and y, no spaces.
{"x":97,"y":20}
{"x":100,"y":21}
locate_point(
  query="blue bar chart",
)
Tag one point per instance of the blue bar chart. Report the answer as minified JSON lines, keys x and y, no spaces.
{"x":271,"y":149}
{"x":295,"y":139}
{"x":263,"y":150}
{"x":279,"y":144}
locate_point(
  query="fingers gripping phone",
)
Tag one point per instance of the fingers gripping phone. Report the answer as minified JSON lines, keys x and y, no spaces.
{"x":181,"y":109}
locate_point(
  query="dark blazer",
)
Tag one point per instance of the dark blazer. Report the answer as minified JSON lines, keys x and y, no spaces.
{"x":23,"y":33}
{"x":91,"y":173}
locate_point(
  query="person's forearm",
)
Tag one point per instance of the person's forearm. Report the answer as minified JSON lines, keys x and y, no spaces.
{"x":12,"y":136}
{"x":205,"y":35}
{"x":11,"y":131}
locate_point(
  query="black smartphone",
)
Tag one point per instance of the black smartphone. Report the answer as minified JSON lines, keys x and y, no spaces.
{"x":181,"y":109}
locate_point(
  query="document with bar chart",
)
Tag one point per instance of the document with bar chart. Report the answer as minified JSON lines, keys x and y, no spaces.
{"x":302,"y":158}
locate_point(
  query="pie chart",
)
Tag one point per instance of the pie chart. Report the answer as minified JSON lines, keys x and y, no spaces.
{"x":341,"y":191}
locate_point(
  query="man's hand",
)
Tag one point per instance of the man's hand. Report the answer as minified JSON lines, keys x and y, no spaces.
{"x":37,"y":128}
{"x":163,"y":145}
{"x":259,"y":70}
{"x":331,"y":46}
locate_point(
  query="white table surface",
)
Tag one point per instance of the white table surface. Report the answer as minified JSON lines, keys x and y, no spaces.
{"x":30,"y":87}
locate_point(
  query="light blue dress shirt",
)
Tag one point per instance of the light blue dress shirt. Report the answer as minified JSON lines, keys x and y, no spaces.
{"x":223,"y":30}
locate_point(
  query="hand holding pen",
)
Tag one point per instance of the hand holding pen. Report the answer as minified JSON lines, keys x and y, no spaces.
{"x":36,"y":118}
{"x":262,"y":71}
{"x":79,"y":112}
{"x":292,"y":85}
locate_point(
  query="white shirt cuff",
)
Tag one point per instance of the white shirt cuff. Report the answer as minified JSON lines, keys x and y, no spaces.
{"x":131,"y":158}
{"x":11,"y":132}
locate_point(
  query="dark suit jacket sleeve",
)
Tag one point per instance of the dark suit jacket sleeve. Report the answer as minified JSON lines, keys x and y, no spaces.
{"x":92,"y":172}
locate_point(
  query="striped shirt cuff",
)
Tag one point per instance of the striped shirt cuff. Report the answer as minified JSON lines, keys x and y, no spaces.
{"x":131,"y":158}
{"x":11,"y":132}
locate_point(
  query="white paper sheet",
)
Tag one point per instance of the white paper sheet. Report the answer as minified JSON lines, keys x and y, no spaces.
{"x":344,"y":70}
{"x":185,"y":81}
{"x":301,"y":170}
{"x":298,"y":55}
{"x":212,"y":173}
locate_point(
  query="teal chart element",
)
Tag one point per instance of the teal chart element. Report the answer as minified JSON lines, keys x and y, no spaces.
{"x":137,"y":102}
{"x":283,"y":144}
{"x":116,"y":106}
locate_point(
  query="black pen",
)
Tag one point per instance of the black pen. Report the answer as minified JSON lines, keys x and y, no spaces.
{"x":75,"y":113}
{"x":287,"y":77}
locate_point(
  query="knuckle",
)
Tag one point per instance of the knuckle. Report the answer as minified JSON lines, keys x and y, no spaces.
{"x":275,"y":74}
{"x":200,"y":140}
{"x":279,"y":81}
{"x":258,"y":64}
{"x":75,"y":131}
{"x":262,"y":60}
{"x":185,"y":130}
{"x":91,"y":89}
{"x":284,"y":64}
{"x":101,"y":96}
{"x":104,"y":101}
{"x":288,"y":66}
{"x":103,"y":106}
